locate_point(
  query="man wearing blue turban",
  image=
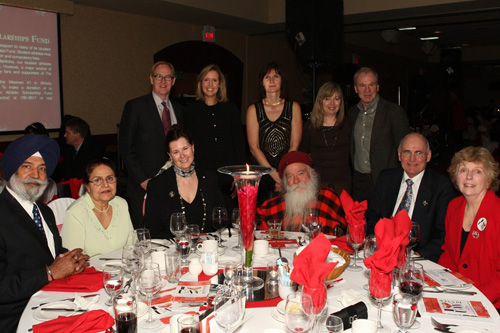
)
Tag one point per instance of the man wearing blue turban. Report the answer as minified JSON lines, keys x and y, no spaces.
{"x":31,"y":252}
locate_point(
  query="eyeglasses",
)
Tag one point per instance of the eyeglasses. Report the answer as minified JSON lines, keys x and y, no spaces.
{"x":159,"y":77}
{"x":417,"y":154}
{"x":99,"y":181}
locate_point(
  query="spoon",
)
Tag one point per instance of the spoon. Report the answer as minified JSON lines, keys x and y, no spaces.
{"x":281,"y":260}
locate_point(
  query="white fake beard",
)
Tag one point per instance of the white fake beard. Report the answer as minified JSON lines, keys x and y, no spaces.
{"x":30,"y":193}
{"x":299,"y":196}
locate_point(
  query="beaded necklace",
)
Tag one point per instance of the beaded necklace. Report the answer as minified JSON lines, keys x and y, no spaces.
{"x":328,"y":129}
{"x":183,"y":207}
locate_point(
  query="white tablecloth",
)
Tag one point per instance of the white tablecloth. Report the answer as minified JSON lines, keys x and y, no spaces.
{"x":260,"y":319}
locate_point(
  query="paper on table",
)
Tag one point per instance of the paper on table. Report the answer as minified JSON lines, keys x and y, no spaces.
{"x":191,"y":291}
{"x":444,"y":277}
{"x":453,"y":306}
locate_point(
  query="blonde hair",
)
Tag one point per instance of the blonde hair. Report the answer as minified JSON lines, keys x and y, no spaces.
{"x":221,"y":93}
{"x":318,"y":114}
{"x":477,"y":155}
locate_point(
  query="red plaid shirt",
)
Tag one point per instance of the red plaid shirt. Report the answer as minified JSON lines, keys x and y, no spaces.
{"x":328,"y":205}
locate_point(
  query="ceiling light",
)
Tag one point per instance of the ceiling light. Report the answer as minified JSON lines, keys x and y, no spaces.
{"x":429,"y":38}
{"x":437,"y":32}
{"x":407,"y":28}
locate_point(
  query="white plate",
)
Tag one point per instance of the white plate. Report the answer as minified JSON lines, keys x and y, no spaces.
{"x":469,"y":329}
{"x":101,"y":264}
{"x":271,"y":252}
{"x":41,"y":315}
{"x":224,"y":259}
{"x":281,"y":307}
{"x":278,"y":316}
{"x":220,"y":251}
{"x":160,"y":241}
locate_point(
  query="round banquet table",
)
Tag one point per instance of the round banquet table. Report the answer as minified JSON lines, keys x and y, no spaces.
{"x":260,"y":319}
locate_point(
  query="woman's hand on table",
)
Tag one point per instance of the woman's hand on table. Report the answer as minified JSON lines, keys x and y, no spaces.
{"x":68,"y":263}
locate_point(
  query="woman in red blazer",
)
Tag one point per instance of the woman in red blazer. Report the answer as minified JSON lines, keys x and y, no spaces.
{"x":472,"y":222}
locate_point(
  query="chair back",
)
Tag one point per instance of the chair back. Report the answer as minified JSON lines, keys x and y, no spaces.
{"x":59,"y":207}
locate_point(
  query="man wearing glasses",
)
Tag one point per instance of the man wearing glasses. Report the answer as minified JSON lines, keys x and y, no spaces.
{"x":421,"y":191}
{"x":143,"y":127}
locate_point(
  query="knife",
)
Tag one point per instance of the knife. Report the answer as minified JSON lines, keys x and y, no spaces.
{"x":110,"y":259}
{"x":206,"y":313}
{"x":458,"y":292}
{"x":63,"y":309}
{"x":160,"y":244}
{"x":63,"y":300}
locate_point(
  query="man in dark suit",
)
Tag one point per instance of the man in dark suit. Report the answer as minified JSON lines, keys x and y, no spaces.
{"x":143,"y":127}
{"x":426,"y":202}
{"x":378,"y":127}
{"x":31,"y":252}
{"x":79,"y":150}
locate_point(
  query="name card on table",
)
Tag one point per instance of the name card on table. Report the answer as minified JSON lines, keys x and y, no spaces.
{"x":287,"y":243}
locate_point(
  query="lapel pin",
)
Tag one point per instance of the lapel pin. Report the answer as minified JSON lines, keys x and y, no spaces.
{"x":425,"y":203}
{"x":171,"y":194}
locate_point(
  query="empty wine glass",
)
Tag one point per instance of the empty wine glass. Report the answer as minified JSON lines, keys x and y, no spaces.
{"x":131,"y":257}
{"x":184,"y":248}
{"x":143,"y":243}
{"x":411,"y":281}
{"x":380,"y":291}
{"x":355,"y":238}
{"x":178,"y":224}
{"x":318,"y":296}
{"x":235,"y":217}
{"x":220,"y":219}
{"x":414,"y":236}
{"x":229,"y":308}
{"x":193,"y":234}
{"x":299,"y":312}
{"x":230,"y":270}
{"x":311,"y":224}
{"x":149,"y":283}
{"x":328,"y":323}
{"x":369,"y":247}
{"x":404,"y":311}
{"x":112,"y":278}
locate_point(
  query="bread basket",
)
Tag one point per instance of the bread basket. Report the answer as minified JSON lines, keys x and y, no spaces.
{"x":339,"y":269}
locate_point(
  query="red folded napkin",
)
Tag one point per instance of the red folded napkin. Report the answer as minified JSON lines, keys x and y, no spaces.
{"x":341,"y":243}
{"x":392,"y":239}
{"x":354,"y":215}
{"x":310,"y":268}
{"x":89,"y":280}
{"x":92,"y":321}
{"x":74,"y":185}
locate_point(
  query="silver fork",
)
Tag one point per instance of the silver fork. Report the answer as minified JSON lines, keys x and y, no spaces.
{"x":441,"y":326}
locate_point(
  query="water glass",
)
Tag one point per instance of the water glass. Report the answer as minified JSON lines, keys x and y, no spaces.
{"x":229,"y":308}
{"x":327,"y":323}
{"x":404,"y":311}
{"x":112,"y":278}
{"x":178,"y":224}
{"x":188,"y":323}
{"x":184,"y":248}
{"x":173,"y":266}
{"x":125,"y":309}
{"x":149,"y":282}
{"x":230,"y":270}
{"x":193,"y":234}
{"x":130,"y":259}
{"x":298,"y":312}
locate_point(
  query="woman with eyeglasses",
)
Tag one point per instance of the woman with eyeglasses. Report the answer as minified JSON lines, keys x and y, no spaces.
{"x":99,"y":221}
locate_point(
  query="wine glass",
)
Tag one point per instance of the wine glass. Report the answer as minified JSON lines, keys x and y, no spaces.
{"x":318,"y":296}
{"x":193,"y":234}
{"x":299,"y":312}
{"x":149,"y":283}
{"x":404,"y":311}
{"x":414,"y":236}
{"x":310,"y":223}
{"x":143,"y":243}
{"x":184,"y":248}
{"x":328,"y":323}
{"x":411,"y":281}
{"x":131,"y":257}
{"x":369,"y":247}
{"x":112,"y":278}
{"x":229,"y":308}
{"x":355,"y":238}
{"x":235,"y":217}
{"x":178,"y":224}
{"x":380,"y":291}
{"x":220,"y":219}
{"x":230,"y":270}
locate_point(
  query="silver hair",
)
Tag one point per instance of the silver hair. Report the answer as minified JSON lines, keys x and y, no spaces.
{"x":30,"y":193}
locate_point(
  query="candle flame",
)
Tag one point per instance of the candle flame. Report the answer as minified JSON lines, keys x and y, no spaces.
{"x":248,"y":167}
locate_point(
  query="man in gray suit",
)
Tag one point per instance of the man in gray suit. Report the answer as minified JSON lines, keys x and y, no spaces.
{"x":378,"y":127}
{"x":143,"y":127}
{"x":426,"y":202}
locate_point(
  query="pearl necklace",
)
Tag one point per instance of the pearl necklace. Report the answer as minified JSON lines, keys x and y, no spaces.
{"x":272,"y":104}
{"x":103,"y":211}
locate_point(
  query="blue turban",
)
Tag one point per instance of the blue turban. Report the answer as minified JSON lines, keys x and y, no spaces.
{"x":22,"y":148}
